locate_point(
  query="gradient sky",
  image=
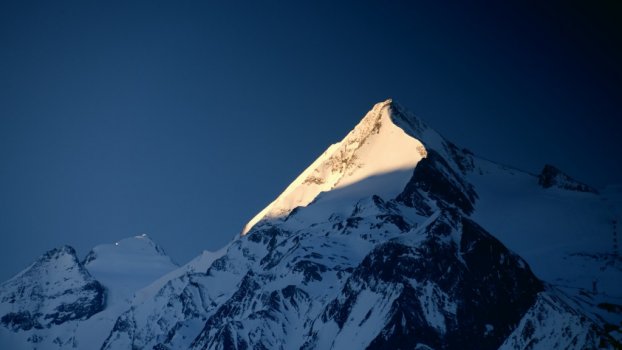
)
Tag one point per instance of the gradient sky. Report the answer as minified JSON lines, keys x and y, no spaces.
{"x":182,"y":120}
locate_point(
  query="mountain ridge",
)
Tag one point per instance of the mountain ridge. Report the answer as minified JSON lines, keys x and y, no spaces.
{"x":393,"y":237}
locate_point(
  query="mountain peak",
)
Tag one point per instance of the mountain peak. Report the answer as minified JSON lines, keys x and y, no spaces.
{"x":386,"y":112}
{"x":387,"y":141}
{"x":58,"y":260}
{"x":379,"y":105}
{"x":56,"y":253}
{"x":131,"y":246}
{"x":54,"y":289}
{"x":128,"y":265}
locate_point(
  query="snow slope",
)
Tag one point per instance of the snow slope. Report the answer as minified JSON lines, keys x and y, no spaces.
{"x":128,"y":266}
{"x":566,"y":236}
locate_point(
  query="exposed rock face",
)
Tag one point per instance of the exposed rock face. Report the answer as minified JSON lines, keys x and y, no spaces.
{"x":434,"y":175}
{"x":439,"y":293}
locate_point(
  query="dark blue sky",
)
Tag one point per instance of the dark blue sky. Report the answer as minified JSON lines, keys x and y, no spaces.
{"x":182,"y":120}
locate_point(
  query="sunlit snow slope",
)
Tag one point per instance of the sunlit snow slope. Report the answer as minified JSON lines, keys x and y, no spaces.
{"x":375,"y":147}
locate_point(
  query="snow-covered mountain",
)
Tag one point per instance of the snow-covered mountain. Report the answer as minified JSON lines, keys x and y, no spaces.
{"x":61,"y":302}
{"x":393,"y":238}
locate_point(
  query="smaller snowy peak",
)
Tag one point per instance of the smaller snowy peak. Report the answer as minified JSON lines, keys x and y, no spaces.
{"x":128,"y":265}
{"x":550,"y":176}
{"x":51,"y":269}
{"x":56,"y":253}
{"x":54,"y":289}
{"x":128,"y":247}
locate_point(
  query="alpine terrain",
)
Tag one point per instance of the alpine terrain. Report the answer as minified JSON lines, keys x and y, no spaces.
{"x":394,"y":238}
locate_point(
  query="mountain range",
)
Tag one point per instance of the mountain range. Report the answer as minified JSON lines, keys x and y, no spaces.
{"x":393,"y":238}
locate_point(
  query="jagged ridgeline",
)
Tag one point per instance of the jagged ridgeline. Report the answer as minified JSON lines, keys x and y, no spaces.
{"x":394,"y":238}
